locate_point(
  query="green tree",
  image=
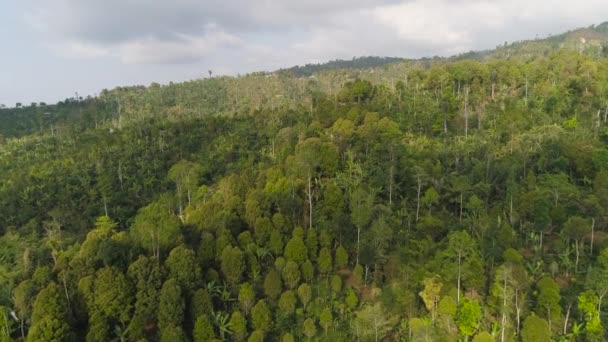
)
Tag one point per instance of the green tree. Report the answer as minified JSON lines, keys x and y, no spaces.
{"x":295,"y":250}
{"x":548,"y":302}
{"x":183,"y":267}
{"x":113,"y":294}
{"x":575,"y":229}
{"x":239,"y":325}
{"x":461,"y":248}
{"x":155,"y":227}
{"x":468,"y":317}
{"x":588,"y":305}
{"x":147,"y":275}
{"x":50,"y":316}
{"x":324,"y":261}
{"x":309,"y":328}
{"x":361,"y":205}
{"x":185,"y":175}
{"x":275,"y":243}
{"x":341,"y":257}
{"x":291,"y":274}
{"x":305,"y":294}
{"x":287,"y":303}
{"x":256,"y":336}
{"x":535,"y":329}
{"x":430,"y":294}
{"x":232,"y":264}
{"x":326,"y":319}
{"x":171,"y":305}
{"x":246,"y":297}
{"x":314,"y":158}
{"x":374,"y":322}
{"x":484,"y":336}
{"x":272,"y":285}
{"x":172,"y":333}
{"x":352,"y":301}
{"x":261,"y":317}
{"x":203,"y":330}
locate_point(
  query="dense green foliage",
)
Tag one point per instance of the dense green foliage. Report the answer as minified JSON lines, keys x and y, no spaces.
{"x":355,"y":63}
{"x":426,"y":201}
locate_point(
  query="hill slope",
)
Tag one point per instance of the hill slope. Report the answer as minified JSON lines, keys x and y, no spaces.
{"x":422,"y":201}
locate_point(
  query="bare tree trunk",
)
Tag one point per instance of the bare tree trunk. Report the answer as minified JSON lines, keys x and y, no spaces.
{"x":566,"y":320}
{"x":65,"y":289}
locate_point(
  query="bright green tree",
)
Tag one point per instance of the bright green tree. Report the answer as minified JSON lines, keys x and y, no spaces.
{"x":50,"y":316}
{"x":535,"y":329}
{"x":309,"y":328}
{"x":203,"y":330}
{"x":156,"y":227}
{"x":261,"y":317}
{"x":468,"y":317}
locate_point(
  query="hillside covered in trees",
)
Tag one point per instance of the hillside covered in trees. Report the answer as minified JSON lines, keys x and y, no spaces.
{"x":432,"y":200}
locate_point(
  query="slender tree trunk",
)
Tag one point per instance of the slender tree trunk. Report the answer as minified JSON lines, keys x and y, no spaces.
{"x":599,"y":306}
{"x":65,"y":289}
{"x":577,"y":256}
{"x":517,"y":311}
{"x":418,"y":199}
{"x":358,"y":240}
{"x":566,"y":320}
{"x":309,"y":201}
{"x":460,"y":217}
{"x":466,"y":111}
{"x":504,"y":310}
{"x":120,"y":174}
{"x":511,"y":210}
{"x":459,"y":265}
{"x":592,"y":234}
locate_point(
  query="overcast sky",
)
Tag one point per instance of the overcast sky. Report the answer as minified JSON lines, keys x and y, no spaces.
{"x":54,"y":48}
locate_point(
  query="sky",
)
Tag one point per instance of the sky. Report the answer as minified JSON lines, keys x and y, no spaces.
{"x":53,"y":49}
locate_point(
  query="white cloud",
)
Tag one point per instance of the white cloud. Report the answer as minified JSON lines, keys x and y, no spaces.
{"x":274,"y":33}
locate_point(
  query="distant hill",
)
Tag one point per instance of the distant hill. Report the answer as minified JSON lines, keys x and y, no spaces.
{"x":592,"y":40}
{"x":355,"y":63}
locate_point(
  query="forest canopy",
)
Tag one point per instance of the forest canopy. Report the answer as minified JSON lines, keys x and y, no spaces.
{"x":431,"y":200}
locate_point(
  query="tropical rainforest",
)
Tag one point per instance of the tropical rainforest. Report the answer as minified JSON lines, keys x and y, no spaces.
{"x":445,"y":199}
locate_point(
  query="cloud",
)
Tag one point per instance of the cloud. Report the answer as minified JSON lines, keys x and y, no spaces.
{"x":266,"y":34}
